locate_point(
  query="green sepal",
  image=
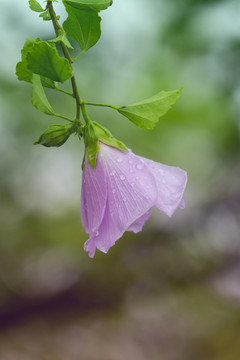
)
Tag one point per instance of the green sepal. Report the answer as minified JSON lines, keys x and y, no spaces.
{"x":35,"y":6}
{"x":61,"y":38}
{"x":146,"y":113}
{"x":38,"y":97}
{"x":96,"y":5}
{"x":43,"y":59}
{"x":55,"y":135}
{"x":22,"y":71}
{"x":106,"y":137}
{"x":83,"y":26}
{"x":46,"y":15}
{"x":91,"y":144}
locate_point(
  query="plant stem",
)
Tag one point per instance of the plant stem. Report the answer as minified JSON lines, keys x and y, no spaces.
{"x":85,"y":116}
{"x":63,"y":117}
{"x":64,"y":91}
{"x":57,"y":27}
{"x":106,"y":105}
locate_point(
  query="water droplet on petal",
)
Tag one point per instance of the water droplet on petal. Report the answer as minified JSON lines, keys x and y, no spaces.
{"x":130,"y":161}
{"x":96,"y":233}
{"x":164,"y":181}
{"x":132,"y":184}
{"x":122,"y":177}
{"x":113,"y":191}
{"x":113,"y":172}
{"x":119,"y":160}
{"x":139,"y":166}
{"x":131,"y":171}
{"x":124,"y":199}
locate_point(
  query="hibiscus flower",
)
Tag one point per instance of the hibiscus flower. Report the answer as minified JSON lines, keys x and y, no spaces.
{"x":119,"y":193}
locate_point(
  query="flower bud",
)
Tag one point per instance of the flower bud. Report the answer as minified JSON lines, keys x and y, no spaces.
{"x":55,"y":135}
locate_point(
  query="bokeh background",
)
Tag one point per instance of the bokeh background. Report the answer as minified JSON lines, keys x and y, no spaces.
{"x":171,"y":292}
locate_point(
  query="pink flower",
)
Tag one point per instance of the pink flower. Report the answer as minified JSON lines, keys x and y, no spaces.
{"x":118,"y":195}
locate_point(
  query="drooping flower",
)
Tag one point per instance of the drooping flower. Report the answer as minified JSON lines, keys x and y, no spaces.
{"x":119,"y":193}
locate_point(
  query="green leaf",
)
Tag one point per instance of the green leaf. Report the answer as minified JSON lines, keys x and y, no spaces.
{"x":44,"y":60}
{"x":146,"y":113}
{"x":22,"y":71}
{"x":48,"y":83}
{"x":106,"y":137}
{"x":95,"y":5}
{"x":35,"y":6}
{"x":38,"y":98}
{"x":62,"y":37}
{"x":55,"y":135}
{"x":91,"y":144}
{"x":83,"y":26}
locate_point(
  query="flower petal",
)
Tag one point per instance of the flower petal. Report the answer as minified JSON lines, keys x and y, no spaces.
{"x":104,"y":237}
{"x":131,"y":193}
{"x":138,"y":224}
{"x":131,"y":187}
{"x":93,"y":196}
{"x":171,"y":182}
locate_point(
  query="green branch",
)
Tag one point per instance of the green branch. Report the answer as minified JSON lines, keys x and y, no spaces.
{"x":85,"y":116}
{"x":58,"y":28}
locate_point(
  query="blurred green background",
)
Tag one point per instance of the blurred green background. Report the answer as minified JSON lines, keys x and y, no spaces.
{"x":171,"y":292}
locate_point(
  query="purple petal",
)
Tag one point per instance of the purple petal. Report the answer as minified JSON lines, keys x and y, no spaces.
{"x":131,"y":193}
{"x":93,"y":196}
{"x":138,"y":224}
{"x":104,"y":237}
{"x":171,"y":182}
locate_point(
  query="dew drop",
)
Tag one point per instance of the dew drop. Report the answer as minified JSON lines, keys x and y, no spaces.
{"x":130,"y":161}
{"x":131,"y":171}
{"x":132,"y":184}
{"x":164,"y":181}
{"x":119,"y":160}
{"x":96,"y":233}
{"x":113,"y":191}
{"x":113,"y":172}
{"x":139,"y":166}
{"x":122,"y":177}
{"x":124,"y":199}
